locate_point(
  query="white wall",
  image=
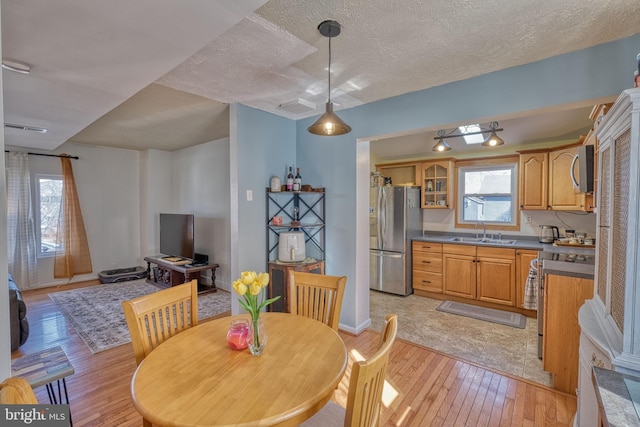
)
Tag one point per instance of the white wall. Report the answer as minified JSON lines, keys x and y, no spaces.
{"x":122,"y":192}
{"x":5,"y":336}
{"x":201,"y":186}
{"x":157,"y":197}
{"x":107,"y":182}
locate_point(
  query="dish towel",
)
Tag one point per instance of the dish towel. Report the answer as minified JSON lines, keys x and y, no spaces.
{"x":531,"y":288}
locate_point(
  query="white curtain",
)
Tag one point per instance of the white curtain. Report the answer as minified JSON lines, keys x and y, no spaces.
{"x":21,"y":240}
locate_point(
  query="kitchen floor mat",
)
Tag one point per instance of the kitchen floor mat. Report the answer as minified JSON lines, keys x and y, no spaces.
{"x":501,"y":317}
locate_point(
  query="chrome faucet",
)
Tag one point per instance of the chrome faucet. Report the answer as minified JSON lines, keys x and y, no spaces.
{"x":484,"y":230}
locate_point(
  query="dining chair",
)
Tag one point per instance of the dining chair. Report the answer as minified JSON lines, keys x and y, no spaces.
{"x":17,"y":390}
{"x":317,"y":296}
{"x":156,"y":317}
{"x":366,"y":384}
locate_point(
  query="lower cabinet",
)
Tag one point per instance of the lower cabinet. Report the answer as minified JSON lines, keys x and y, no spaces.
{"x":563,"y":297}
{"x":427,"y":266}
{"x":497,"y":275}
{"x":459,"y":270}
{"x":483,"y":273}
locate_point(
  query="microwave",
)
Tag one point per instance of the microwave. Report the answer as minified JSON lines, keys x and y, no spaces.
{"x":584,"y":161}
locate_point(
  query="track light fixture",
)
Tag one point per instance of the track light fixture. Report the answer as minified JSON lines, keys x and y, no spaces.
{"x":329,"y":124}
{"x":492,"y":141}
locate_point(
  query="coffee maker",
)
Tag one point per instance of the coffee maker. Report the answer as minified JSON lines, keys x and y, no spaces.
{"x":548,"y":234}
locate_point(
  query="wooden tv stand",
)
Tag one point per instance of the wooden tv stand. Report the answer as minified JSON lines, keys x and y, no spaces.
{"x":167,"y":274}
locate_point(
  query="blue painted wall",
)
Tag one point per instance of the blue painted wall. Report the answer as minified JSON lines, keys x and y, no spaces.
{"x":266,"y":143}
{"x":600,"y":71}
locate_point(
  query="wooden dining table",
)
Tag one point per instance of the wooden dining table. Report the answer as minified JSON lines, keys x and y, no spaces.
{"x":195,"y":379}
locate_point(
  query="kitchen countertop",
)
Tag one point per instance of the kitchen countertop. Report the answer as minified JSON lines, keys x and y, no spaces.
{"x":522,"y":242}
{"x":562,"y":268}
{"x":584,"y":271}
{"x":614,"y":400}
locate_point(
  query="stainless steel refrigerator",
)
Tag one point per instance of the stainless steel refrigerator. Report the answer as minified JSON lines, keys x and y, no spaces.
{"x":395,"y":217}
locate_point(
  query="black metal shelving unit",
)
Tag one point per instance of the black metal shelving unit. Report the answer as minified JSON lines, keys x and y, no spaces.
{"x":309,"y":219}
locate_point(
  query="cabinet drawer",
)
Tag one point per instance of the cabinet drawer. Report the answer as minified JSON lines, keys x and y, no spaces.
{"x":459,"y":249}
{"x":427,"y":247}
{"x":427,"y":261}
{"x":427,"y":281}
{"x":492,"y":252}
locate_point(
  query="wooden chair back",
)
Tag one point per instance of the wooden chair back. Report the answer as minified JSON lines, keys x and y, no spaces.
{"x":366,"y":382}
{"x":17,"y":390}
{"x":317,"y":296}
{"x":154,"y":318}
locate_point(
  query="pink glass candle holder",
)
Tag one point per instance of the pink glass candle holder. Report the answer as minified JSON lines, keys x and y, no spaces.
{"x":238,"y":333}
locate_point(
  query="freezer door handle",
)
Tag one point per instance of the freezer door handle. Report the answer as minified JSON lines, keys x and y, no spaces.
{"x":382,"y":217}
{"x":388,"y":254}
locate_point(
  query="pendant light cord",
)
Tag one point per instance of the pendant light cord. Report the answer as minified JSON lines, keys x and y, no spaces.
{"x":329,"y":71}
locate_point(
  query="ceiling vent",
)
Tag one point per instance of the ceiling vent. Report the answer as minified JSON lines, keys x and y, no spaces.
{"x":297,"y":106}
{"x":27,"y":128}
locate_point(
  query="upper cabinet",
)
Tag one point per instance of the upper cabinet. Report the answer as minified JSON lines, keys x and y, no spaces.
{"x":545,"y":180}
{"x":401,"y":173}
{"x":534,"y":174}
{"x":562,"y":193}
{"x":437,"y":184}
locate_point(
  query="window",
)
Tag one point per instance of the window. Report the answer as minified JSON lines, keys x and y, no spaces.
{"x":488,"y":194}
{"x":49,"y":197}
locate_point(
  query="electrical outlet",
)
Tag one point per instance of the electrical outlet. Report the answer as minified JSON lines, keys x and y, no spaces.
{"x":249,"y":195}
{"x":527,"y":219}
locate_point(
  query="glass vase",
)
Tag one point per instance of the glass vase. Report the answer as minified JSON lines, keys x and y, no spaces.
{"x":257,"y":339}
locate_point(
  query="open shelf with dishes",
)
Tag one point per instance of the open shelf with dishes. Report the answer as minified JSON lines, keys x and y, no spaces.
{"x":436,"y":184}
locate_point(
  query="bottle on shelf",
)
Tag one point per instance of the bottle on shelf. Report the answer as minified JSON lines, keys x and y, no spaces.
{"x":297,"y":181}
{"x":290,"y":180}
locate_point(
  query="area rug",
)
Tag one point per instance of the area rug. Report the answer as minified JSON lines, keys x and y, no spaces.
{"x":501,"y":317}
{"x":95,"y":312}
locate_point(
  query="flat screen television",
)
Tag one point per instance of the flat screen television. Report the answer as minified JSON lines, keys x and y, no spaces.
{"x":176,"y":235}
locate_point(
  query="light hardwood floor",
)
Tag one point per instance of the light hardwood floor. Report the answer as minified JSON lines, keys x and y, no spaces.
{"x":424,"y":387}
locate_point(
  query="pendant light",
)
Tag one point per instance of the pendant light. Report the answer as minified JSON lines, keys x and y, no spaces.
{"x":441,"y":145}
{"x":494,"y":140}
{"x":329,"y":124}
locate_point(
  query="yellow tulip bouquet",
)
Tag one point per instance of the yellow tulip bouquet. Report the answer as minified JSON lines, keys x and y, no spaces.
{"x":249,"y":286}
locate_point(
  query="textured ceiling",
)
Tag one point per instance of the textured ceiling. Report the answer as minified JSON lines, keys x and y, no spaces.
{"x":158,"y":73}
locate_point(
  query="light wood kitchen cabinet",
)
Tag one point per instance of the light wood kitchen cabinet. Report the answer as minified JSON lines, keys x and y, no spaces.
{"x":496,"y":275}
{"x":563,"y":297}
{"x":401,"y":173}
{"x":459,"y":270}
{"x":545,"y":180}
{"x":427,"y":266}
{"x":562,"y":194}
{"x":534,"y":175}
{"x":523,"y":264}
{"x":437,"y":184}
{"x":481,"y":273}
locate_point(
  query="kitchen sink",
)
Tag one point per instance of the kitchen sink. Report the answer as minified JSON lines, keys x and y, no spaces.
{"x":486,"y":240}
{"x":466,"y":239}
